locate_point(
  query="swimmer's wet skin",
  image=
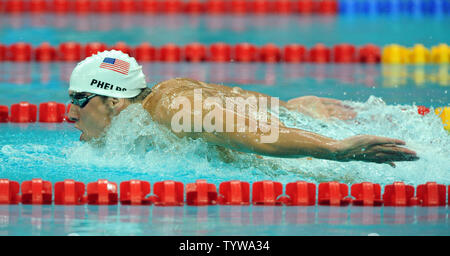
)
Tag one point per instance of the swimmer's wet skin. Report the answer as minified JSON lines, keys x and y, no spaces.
{"x":101,"y":91}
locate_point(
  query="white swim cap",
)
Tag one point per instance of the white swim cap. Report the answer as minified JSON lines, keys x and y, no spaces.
{"x":108,"y":73}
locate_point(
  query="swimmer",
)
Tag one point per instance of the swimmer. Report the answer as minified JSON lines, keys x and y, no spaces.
{"x":103,"y":85}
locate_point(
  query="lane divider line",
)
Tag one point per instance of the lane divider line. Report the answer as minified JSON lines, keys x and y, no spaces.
{"x":235,"y":192}
{"x":242,"y":52}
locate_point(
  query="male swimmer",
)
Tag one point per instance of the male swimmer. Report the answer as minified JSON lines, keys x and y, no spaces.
{"x":103,"y":85}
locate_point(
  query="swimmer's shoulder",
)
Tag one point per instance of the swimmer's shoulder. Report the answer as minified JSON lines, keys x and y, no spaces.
{"x":169,"y":89}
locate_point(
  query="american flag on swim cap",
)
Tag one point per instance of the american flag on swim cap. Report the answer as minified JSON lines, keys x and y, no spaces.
{"x":116,"y":65}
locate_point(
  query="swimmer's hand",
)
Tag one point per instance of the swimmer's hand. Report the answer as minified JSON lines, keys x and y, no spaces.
{"x":376,"y":149}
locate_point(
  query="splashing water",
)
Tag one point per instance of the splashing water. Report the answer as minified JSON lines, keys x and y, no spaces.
{"x":136,"y":143}
{"x":423,"y":134}
{"x":135,"y":147}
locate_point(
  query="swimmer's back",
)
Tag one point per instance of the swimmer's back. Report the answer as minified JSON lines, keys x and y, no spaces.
{"x":177,"y":87}
{"x":163,"y":94}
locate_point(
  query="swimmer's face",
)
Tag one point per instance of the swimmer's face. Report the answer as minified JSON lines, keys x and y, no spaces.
{"x":93,"y":118}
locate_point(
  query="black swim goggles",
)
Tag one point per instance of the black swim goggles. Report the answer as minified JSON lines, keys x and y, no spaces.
{"x":81,"y":100}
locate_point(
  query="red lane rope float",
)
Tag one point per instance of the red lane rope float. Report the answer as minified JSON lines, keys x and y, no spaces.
{"x":3,"y":53}
{"x":38,"y":6}
{"x":422,"y":110}
{"x":45,"y":53}
{"x":36,"y":191}
{"x":150,"y":6}
{"x":284,"y":6}
{"x":9,"y":192}
{"x":4,"y":114}
{"x":25,"y":112}
{"x":60,"y":6}
{"x":300,"y":193}
{"x":261,"y":6}
{"x":19,"y":52}
{"x":329,"y":7}
{"x":201,"y":193}
{"x":196,"y":52}
{"x":104,"y":6}
{"x":127,"y":6}
{"x":220,"y":52}
{"x":51,"y":112}
{"x":239,"y":6}
{"x":210,"y":7}
{"x":14,"y":6}
{"x":235,"y":192}
{"x":369,"y":54}
{"x":266,"y":192}
{"x":269,"y":53}
{"x":93,"y":48}
{"x":319,"y":54}
{"x":294,"y":53}
{"x":145,"y":52}
{"x":399,"y":194}
{"x":307,"y":6}
{"x":366,"y":194}
{"x":194,"y":7}
{"x":134,"y":192}
{"x":344,"y":53}
{"x":334,"y":194}
{"x":102,"y":192}
{"x":69,"y":192}
{"x":83,"y":6}
{"x":69,"y":51}
{"x":168,"y":193}
{"x":170,"y":53}
{"x":123,"y":47}
{"x":431,"y":194}
{"x":245,"y":52}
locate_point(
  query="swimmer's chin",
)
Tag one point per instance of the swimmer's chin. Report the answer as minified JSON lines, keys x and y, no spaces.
{"x":85,"y":138}
{"x":94,"y":141}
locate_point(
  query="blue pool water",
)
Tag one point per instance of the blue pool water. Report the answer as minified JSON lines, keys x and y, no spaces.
{"x":222,"y":220}
{"x":396,"y":84}
{"x":384,"y":96}
{"x":182,"y":29}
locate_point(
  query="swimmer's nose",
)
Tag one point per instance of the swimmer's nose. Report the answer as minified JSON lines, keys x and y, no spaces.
{"x":74,"y":113}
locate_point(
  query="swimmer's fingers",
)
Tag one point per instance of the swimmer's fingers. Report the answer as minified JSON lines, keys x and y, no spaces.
{"x":389,"y":156}
{"x":385,"y":140}
{"x":395,"y":150}
{"x":368,"y":141}
{"x":374,"y":149}
{"x":394,"y":157}
{"x":390,"y":145}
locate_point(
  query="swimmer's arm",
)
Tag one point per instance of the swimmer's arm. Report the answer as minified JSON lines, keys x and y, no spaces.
{"x":291,"y":143}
